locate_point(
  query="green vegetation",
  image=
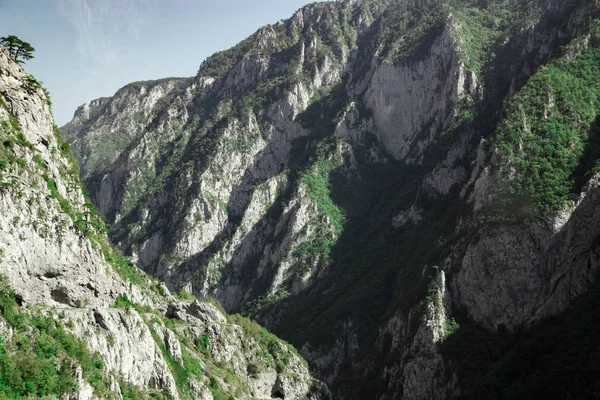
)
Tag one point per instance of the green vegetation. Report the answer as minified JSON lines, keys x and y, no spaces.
{"x":278,"y":350}
{"x":219,"y":64}
{"x":40,"y":358}
{"x":371,"y":260}
{"x":264,"y":302}
{"x":129,"y":391}
{"x":12,"y":140}
{"x":204,"y":343}
{"x":192,"y":368}
{"x":331,"y":38}
{"x":216,"y":304}
{"x":85,"y":217}
{"x":180,"y":373}
{"x":65,"y":151}
{"x":123,"y":265}
{"x":317,"y":185}
{"x":546,"y":129}
{"x":184,"y":295}
{"x":284,"y":72}
{"x":31,"y":84}
{"x":405,"y":32}
{"x":137,"y":187}
{"x":122,"y":301}
{"x":450,"y":327}
{"x":272,"y":353}
{"x":105,"y":147}
{"x":89,"y":222}
{"x":268,"y":91}
{"x":48,"y":98}
{"x":190,"y":363}
{"x":407,"y":29}
{"x":19,"y":50}
{"x":484,"y":25}
{"x":316,"y":180}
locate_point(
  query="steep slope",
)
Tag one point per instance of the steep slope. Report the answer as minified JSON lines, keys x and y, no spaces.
{"x":77,"y":319}
{"x":365,"y":174}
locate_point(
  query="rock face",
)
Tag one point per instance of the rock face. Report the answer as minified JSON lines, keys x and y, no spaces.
{"x":314,"y":175}
{"x":70,"y":300}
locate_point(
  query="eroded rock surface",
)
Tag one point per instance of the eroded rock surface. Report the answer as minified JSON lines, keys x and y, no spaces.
{"x":58,"y":268}
{"x":316,"y":174}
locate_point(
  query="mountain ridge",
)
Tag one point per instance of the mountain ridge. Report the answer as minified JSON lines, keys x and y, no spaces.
{"x":359,"y":176}
{"x":77,"y":319}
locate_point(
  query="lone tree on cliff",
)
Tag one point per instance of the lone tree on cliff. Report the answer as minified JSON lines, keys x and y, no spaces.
{"x":19,"y":50}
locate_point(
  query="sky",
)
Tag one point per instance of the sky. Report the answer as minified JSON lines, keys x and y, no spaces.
{"x":86,"y":49}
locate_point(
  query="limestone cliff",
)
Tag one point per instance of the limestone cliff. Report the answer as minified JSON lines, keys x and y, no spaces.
{"x":367,"y":177}
{"x":77,"y":319}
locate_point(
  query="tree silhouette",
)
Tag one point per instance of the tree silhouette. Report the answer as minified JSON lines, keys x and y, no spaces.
{"x":19,"y":50}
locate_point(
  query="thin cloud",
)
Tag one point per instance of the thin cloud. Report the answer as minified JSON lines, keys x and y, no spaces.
{"x":105,"y":28}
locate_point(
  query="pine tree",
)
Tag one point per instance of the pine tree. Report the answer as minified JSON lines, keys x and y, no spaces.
{"x":19,"y":50}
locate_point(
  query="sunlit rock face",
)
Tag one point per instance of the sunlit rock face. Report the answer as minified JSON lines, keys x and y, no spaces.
{"x":356,"y":177}
{"x":61,"y":282}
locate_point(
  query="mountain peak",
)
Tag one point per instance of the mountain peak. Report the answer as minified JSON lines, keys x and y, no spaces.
{"x":383,"y":183}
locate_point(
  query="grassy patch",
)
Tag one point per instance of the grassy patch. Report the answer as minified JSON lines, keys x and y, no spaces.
{"x":183,"y":295}
{"x":278,"y":351}
{"x":129,"y":391}
{"x":122,"y":301}
{"x":123,"y":265}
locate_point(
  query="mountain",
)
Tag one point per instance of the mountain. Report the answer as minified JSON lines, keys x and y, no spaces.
{"x":405,"y":190}
{"x":77,"y":319}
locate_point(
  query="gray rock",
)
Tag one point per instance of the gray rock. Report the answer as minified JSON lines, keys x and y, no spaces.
{"x":55,"y":262}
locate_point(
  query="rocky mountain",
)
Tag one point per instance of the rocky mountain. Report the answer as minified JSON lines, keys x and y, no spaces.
{"x":77,"y":319}
{"x":404,"y":189}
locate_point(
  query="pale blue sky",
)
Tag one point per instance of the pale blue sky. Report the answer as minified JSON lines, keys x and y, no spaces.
{"x":87,"y":49}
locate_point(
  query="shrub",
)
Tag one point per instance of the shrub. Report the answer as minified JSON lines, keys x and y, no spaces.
{"x":450,"y":327}
{"x":41,"y":358}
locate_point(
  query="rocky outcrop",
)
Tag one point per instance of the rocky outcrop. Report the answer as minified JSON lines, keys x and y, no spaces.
{"x":232,"y":178}
{"x":116,"y":325}
{"x":314,"y":175}
{"x":112,"y":130}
